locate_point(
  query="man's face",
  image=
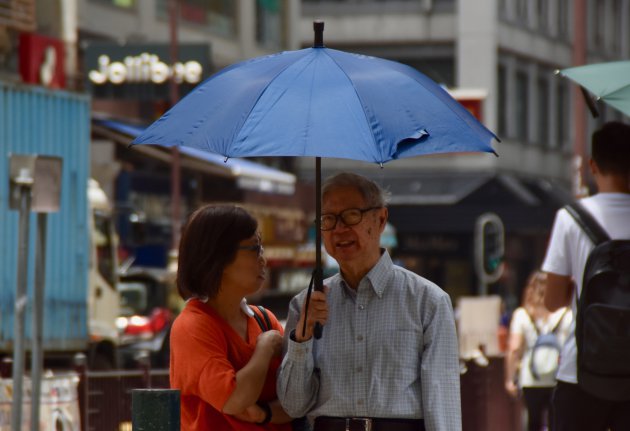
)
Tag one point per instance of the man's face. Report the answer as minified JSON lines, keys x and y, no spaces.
{"x":358,"y":244}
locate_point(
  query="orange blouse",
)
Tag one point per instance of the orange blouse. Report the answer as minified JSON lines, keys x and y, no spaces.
{"x":205,"y":356}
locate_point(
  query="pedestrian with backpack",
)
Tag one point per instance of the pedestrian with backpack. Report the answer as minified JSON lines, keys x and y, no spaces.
{"x":593,"y":390}
{"x":531,"y":361}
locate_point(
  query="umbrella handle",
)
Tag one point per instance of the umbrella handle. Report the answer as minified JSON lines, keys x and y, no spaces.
{"x":318,"y":329}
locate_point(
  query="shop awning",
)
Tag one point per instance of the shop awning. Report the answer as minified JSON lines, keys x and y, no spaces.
{"x":249,"y":175}
{"x":451,"y":202}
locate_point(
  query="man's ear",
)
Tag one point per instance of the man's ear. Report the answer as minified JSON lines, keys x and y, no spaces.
{"x":593,"y":166}
{"x":383,"y":215}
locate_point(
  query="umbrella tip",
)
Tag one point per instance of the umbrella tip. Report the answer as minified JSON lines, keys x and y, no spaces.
{"x":318,"y":28}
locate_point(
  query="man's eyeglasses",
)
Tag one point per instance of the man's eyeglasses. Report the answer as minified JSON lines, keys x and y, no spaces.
{"x":258,"y":248}
{"x":349,"y":217}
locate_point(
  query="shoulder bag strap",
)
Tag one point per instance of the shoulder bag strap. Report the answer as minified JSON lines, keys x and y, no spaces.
{"x":587,"y":223}
{"x":263,"y":311}
{"x":259,"y":320}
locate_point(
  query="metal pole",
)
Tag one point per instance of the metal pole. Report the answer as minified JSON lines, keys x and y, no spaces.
{"x":37,"y":357}
{"x":155,"y":409}
{"x":173,"y":13}
{"x":21,"y":300}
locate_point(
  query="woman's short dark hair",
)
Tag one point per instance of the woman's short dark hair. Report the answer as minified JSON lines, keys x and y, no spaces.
{"x":208,"y":244}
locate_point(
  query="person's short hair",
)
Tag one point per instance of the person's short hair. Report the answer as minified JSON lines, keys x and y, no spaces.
{"x":208,"y":244}
{"x":610,"y":148}
{"x":373,"y":195}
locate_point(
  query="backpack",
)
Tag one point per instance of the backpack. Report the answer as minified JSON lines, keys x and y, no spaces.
{"x":543,"y":362}
{"x":602,"y":330}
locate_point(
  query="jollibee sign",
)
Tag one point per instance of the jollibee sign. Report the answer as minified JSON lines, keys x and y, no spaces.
{"x":142,"y":71}
{"x":145,"y":68}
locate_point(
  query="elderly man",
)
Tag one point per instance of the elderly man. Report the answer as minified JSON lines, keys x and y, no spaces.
{"x":388,"y":357}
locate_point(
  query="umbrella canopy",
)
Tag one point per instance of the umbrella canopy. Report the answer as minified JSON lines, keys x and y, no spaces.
{"x":320,"y":102}
{"x":324,"y":103}
{"x":610,"y":82}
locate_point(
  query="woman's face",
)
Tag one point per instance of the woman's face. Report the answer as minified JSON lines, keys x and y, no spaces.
{"x":247,"y":272}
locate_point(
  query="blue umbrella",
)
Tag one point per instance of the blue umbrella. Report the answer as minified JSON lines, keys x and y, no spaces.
{"x":320,"y":102}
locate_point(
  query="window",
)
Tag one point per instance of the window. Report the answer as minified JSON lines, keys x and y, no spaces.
{"x":543,"y":111}
{"x":616,"y":25}
{"x":542,"y":7}
{"x":218,"y":15}
{"x":600,"y":24}
{"x":522,"y":15}
{"x":561,"y":116}
{"x":502,"y":101}
{"x":268,"y":23}
{"x":563,"y":19}
{"x":503,"y":11}
{"x":522,"y":106}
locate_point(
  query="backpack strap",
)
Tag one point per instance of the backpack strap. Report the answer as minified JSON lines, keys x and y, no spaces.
{"x":557,"y":325}
{"x":265,"y":324}
{"x":533,"y":322}
{"x":587,"y":223}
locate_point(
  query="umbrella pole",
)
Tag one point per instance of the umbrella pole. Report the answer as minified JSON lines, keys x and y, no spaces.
{"x":318,"y":273}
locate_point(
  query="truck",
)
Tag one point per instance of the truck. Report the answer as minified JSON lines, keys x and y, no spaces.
{"x":81,"y":301}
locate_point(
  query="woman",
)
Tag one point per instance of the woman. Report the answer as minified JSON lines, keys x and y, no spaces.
{"x":529,"y":321}
{"x":222,"y":361}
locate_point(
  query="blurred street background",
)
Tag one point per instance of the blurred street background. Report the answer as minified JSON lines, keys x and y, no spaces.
{"x":79,"y":79}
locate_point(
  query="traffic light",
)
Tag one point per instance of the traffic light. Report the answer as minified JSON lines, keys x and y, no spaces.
{"x":489,"y":247}
{"x":492,"y":246}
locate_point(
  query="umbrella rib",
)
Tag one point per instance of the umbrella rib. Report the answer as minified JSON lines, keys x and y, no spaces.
{"x":264,"y":90}
{"x":616,"y":90}
{"x":381,"y":161}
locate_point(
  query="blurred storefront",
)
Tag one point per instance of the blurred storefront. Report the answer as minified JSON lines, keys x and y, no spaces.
{"x":141,"y":185}
{"x":435,"y":216}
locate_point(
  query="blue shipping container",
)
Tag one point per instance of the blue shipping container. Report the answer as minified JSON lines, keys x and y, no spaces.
{"x":35,"y":120}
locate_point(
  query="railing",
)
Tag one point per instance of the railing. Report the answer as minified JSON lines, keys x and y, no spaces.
{"x":105,"y":396}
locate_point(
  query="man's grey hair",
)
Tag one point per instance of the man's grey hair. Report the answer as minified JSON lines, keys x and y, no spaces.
{"x":373,"y":195}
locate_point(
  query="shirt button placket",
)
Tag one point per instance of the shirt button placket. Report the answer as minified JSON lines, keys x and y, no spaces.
{"x":361,"y":385}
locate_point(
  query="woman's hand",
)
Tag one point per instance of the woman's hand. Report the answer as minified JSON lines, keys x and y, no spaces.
{"x":251,"y":378}
{"x":270,"y":342}
{"x":317,"y":312}
{"x":256,"y":414}
{"x":252,"y":413}
{"x":511,"y":388}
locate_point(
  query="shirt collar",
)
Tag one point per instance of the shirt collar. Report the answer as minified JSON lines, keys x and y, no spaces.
{"x":378,"y":276}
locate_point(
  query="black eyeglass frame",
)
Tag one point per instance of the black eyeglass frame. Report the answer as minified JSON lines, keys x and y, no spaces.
{"x":340,"y":216}
{"x":258,"y":248}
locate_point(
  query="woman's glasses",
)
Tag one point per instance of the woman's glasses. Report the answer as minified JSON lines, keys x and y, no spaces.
{"x":258,"y":248}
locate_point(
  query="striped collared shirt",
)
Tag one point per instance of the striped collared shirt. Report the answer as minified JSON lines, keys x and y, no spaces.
{"x":389,"y":350}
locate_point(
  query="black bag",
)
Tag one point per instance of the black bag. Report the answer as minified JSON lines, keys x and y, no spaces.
{"x":602,"y":329}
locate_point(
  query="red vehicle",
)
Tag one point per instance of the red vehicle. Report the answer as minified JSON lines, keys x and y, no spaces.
{"x":146,"y":316}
